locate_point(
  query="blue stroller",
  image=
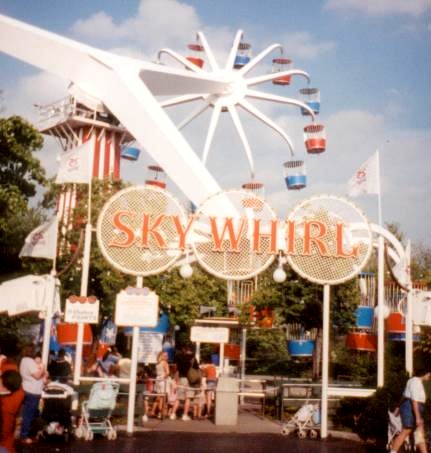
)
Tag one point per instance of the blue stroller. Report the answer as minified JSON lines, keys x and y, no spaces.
{"x":96,"y":412}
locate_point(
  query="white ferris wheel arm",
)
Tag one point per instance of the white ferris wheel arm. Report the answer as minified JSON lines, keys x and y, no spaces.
{"x":208,"y":52}
{"x":242,"y":136}
{"x":179,"y":58}
{"x":276,"y":75}
{"x":254,"y":61}
{"x":210,"y":134}
{"x":118,"y":83}
{"x":268,"y":121}
{"x":281,"y":99}
{"x":192,"y":116}
{"x":234,"y":49}
{"x":181,"y":99}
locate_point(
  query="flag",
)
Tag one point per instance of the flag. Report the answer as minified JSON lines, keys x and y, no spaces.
{"x":75,"y":164}
{"x":401,"y":270}
{"x":366,"y":179}
{"x":42,"y":241}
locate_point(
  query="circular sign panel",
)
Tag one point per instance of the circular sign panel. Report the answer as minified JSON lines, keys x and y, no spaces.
{"x":138,"y":230}
{"x":233,"y":235}
{"x":324,"y":246}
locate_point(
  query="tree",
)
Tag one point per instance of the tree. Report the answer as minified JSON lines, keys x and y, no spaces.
{"x":20,"y":175}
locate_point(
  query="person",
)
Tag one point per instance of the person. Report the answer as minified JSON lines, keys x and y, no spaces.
{"x":11,"y":399}
{"x":210,"y":375}
{"x":33,"y":376}
{"x":124,"y":366}
{"x":59,"y":369}
{"x":162,"y":373}
{"x":171,"y":390}
{"x":109,"y":359}
{"x":183,"y":363}
{"x":194,"y":377}
{"x":411,"y":411}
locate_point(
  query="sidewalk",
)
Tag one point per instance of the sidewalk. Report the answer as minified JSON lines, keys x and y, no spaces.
{"x":249,"y":422}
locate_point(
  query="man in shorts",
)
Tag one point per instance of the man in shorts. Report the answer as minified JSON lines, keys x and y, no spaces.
{"x":411,"y":411}
{"x":183,"y":362}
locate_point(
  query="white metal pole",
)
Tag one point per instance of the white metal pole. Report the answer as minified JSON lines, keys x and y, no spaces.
{"x":198,"y":351}
{"x":380,"y":290}
{"x":221,"y":359}
{"x":243,"y":352}
{"x":85,"y":268}
{"x":133,"y":371}
{"x":325,"y":362}
{"x":380,"y":313}
{"x":84,"y":289}
{"x":409,"y":316}
{"x":48,"y":318}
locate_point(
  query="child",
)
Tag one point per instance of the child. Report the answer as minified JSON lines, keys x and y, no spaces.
{"x":173,"y":402}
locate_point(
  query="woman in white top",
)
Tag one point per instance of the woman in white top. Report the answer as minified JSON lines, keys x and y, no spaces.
{"x":33,"y":375}
{"x":162,"y":373}
{"x":411,"y":411}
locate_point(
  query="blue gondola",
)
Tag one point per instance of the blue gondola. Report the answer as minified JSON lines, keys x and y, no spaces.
{"x":243,"y":55}
{"x":301,"y":348}
{"x":130,"y":153}
{"x":311,"y":97}
{"x":295,"y":174}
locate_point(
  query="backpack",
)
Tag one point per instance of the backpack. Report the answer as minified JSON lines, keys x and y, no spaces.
{"x":194,"y":377}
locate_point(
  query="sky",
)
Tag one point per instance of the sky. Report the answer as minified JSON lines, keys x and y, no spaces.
{"x":369,"y":58}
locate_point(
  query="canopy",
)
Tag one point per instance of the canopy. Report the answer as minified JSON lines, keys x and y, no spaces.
{"x":29,"y":293}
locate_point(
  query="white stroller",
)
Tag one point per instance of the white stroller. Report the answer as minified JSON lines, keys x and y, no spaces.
{"x":305,"y":421}
{"x":96,"y":412}
{"x":394,"y":428}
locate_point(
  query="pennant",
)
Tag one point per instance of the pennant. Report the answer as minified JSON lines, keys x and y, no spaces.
{"x":366,"y":179}
{"x":42,"y":241}
{"x":75,"y":165}
{"x":401,"y":270}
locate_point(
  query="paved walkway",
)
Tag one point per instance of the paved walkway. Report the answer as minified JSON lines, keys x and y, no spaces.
{"x":249,"y":422}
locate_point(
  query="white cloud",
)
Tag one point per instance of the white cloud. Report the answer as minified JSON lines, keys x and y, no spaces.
{"x":156,"y":23}
{"x":41,"y":88}
{"x":304,"y":45}
{"x":381,"y":7}
{"x":99,"y":25}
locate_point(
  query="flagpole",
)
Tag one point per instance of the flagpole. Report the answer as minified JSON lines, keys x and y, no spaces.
{"x":380,"y":289}
{"x":409,"y":315}
{"x":85,"y":272}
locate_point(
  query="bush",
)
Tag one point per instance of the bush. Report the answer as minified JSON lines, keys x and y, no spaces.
{"x":368,"y":416}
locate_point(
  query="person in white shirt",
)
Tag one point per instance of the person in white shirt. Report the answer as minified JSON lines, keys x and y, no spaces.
{"x":33,"y":376}
{"x":411,"y":411}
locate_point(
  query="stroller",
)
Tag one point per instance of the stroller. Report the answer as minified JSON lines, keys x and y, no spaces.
{"x":305,"y":421}
{"x":96,"y":412}
{"x":56,"y":410}
{"x":394,"y":428}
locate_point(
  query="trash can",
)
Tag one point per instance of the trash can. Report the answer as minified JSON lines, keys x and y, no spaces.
{"x":226,"y":407}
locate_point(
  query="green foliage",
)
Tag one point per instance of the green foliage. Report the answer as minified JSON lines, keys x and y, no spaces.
{"x":343,"y":305}
{"x":182,"y":298}
{"x":421,"y":263}
{"x":267,"y":352}
{"x":20,"y":174}
{"x":295,"y":300}
{"x":357,"y":365}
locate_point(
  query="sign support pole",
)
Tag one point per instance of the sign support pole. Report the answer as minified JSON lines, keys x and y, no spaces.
{"x":133,"y":370}
{"x":325,"y":362}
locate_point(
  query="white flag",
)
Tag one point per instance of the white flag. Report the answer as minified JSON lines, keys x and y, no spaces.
{"x":401,"y":270}
{"x":42,"y":241}
{"x":75,"y":164}
{"x":366,"y":179}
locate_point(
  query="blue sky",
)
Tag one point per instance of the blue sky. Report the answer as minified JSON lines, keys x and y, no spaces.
{"x":370,"y":59}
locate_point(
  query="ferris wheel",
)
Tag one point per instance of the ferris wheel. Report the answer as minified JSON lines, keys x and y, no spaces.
{"x":236,"y":94}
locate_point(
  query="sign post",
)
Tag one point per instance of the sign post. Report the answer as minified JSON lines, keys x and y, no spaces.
{"x":136,"y":307}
